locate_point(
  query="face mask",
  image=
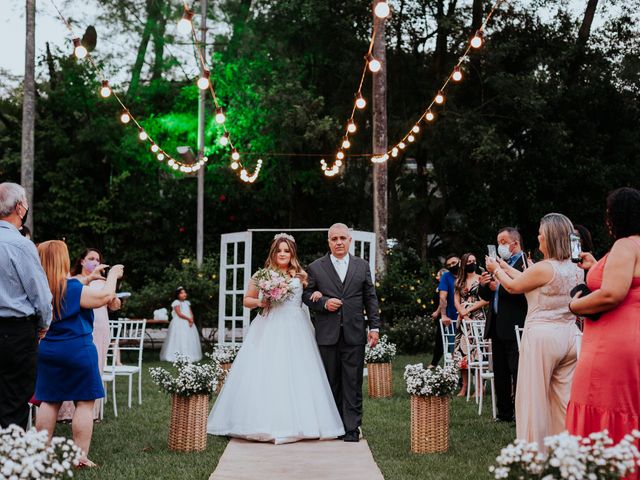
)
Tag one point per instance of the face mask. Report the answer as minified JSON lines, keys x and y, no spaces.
{"x":470,"y":268}
{"x":90,"y":265}
{"x":24,"y":219}
{"x":504,"y":252}
{"x":454,"y":269}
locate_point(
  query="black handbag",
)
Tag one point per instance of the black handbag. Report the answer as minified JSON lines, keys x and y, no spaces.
{"x":584,"y":290}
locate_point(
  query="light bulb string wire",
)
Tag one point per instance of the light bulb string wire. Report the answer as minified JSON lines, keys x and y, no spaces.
{"x":125,"y":109}
{"x":461,"y":60}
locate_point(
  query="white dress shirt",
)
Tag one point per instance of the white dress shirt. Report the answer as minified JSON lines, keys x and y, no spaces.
{"x":341,"y":265}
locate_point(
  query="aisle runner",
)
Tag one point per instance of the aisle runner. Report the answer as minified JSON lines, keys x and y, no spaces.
{"x":309,"y":460}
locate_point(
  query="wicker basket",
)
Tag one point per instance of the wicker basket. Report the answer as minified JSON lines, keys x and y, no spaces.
{"x":379,"y":380}
{"x":429,"y":424}
{"x":188,"y":428}
{"x":225,"y":367}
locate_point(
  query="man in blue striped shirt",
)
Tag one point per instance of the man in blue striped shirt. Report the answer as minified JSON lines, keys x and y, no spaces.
{"x":25,"y":308}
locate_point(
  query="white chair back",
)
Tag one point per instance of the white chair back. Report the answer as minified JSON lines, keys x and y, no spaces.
{"x":448,"y":339}
{"x":132,"y":336}
{"x":485,"y":365}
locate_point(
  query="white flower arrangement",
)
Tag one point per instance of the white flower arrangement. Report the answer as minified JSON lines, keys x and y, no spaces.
{"x":570,"y":457}
{"x":192,"y":379}
{"x":28,"y":455}
{"x":383,"y":352}
{"x":431,"y":382}
{"x":224,"y":353}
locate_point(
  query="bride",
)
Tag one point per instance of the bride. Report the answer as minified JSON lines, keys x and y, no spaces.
{"x":277,"y":390}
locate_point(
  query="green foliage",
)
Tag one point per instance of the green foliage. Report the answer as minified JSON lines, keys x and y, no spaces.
{"x":201,"y":285}
{"x":413,"y":334}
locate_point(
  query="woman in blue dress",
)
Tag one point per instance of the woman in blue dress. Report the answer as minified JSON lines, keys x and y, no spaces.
{"x":67,"y":357}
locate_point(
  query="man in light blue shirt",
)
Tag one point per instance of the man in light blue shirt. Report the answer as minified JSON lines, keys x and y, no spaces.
{"x":25,"y":308}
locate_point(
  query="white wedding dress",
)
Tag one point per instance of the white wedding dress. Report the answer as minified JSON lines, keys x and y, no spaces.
{"x":277,"y":389}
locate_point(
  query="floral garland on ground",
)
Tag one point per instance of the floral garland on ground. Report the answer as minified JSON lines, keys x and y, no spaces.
{"x":570,"y":457}
{"x":431,"y":382}
{"x":192,"y":378}
{"x":383,"y":352}
{"x":28,"y":455}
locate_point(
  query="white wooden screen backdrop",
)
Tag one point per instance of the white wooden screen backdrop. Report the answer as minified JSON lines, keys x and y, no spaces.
{"x":236,"y":271}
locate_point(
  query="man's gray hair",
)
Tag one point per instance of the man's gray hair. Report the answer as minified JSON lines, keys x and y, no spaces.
{"x":10,"y":195}
{"x":339,"y":225}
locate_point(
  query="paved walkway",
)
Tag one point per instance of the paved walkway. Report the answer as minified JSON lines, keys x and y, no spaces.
{"x":308,"y":460}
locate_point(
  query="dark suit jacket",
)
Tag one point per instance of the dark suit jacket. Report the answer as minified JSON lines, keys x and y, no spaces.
{"x":357,"y":294}
{"x":512,"y":310}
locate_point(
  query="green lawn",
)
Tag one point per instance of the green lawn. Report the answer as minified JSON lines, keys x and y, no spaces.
{"x":134,"y":445}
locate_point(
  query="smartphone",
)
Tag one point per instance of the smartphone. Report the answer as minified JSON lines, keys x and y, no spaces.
{"x":492,"y":252}
{"x":576,"y":248}
{"x":123,"y":295}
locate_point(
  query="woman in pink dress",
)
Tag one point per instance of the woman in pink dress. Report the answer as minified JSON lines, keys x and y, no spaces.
{"x":606,"y":386}
{"x":88,"y":269}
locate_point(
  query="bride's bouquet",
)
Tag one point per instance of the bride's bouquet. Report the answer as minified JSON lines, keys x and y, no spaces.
{"x":274,"y":286}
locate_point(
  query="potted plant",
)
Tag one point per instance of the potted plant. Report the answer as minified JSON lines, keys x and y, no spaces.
{"x":571,"y":457}
{"x":29,"y":455}
{"x":190,"y":391}
{"x":223,"y":355}
{"x":379,"y":373}
{"x":430,"y":390}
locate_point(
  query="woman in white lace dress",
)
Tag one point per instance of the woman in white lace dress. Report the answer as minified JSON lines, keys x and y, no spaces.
{"x":277,"y":389}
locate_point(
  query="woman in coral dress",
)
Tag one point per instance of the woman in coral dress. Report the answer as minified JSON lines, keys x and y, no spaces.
{"x":606,"y":387}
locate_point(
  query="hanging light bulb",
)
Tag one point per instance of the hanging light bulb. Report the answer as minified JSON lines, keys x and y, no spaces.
{"x":125,"y":117}
{"x":224,"y":139}
{"x":340,"y":155}
{"x":203,"y":81}
{"x":105,"y":90}
{"x":142,"y":135}
{"x":411,"y":138}
{"x":205,"y":159}
{"x":235,"y":155}
{"x":171,"y":162}
{"x":402,"y":145}
{"x":382,"y":9}
{"x":415,"y":129}
{"x":478,"y":39}
{"x":439,"y":98}
{"x":161,"y":156}
{"x":175,"y":166}
{"x":360,"y":101}
{"x":184,"y":25}
{"x":374,"y":65}
{"x":351,"y":126}
{"x":154,"y":147}
{"x":235,"y":165}
{"x":338,"y":163}
{"x":345,"y":142}
{"x":456,"y":76}
{"x":78,"y":49}
{"x":430,"y":116}
{"x":220,"y":117}
{"x":394,"y":152}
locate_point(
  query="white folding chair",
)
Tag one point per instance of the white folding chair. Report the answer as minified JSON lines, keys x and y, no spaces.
{"x":475,"y":363}
{"x":448,"y":339}
{"x":519,"y":331}
{"x":131,"y":338}
{"x":108,"y":375}
{"x":483,"y":349}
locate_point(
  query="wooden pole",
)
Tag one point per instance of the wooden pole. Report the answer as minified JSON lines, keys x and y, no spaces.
{"x":201,"y":120}
{"x":29,"y":109}
{"x":379,"y":94}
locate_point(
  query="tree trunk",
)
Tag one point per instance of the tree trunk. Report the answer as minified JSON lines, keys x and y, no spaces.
{"x":581,"y":42}
{"x":29,"y":109}
{"x":476,"y":16}
{"x":142,"y":51}
{"x":442,"y":37}
{"x":379,"y":94}
{"x":158,"y":40}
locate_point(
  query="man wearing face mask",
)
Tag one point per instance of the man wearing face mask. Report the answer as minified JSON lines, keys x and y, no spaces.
{"x":25,"y":308}
{"x":507,"y":310}
{"x":447,"y":288}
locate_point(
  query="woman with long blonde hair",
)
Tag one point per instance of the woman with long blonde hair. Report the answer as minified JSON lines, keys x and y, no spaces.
{"x":67,"y":357}
{"x":277,"y":390}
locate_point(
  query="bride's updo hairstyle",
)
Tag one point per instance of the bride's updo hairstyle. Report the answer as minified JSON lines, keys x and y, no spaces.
{"x":295,"y":269}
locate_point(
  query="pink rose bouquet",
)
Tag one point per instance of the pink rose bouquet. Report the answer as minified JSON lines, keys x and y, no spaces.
{"x":274,"y":286}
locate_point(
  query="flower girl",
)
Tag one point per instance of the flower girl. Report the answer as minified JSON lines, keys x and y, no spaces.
{"x":182,"y":336}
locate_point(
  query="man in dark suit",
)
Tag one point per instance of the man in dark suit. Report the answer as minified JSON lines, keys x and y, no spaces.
{"x":341,"y":329}
{"x":507,"y":310}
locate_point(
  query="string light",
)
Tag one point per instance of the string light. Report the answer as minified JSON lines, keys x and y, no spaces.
{"x":439,"y":98}
{"x":351,"y":126}
{"x":78,"y":49}
{"x":380,"y":158}
{"x":203,"y":81}
{"x":105,"y":90}
{"x":220,"y":116}
{"x":374,"y":65}
{"x":235,"y":155}
{"x":224,"y":139}
{"x":360,"y":101}
{"x":415,"y":129}
{"x":478,"y":39}
{"x":394,"y":152}
{"x":456,"y":76}
{"x":161,"y":156}
{"x":185,"y":25}
{"x":345,"y":142}
{"x":125,"y":117}
{"x":155,"y":148}
{"x":382,"y":9}
{"x":235,"y":165}
{"x":402,"y":145}
{"x":430,"y":116}
{"x":142,"y":135}
{"x":411,"y":138}
{"x":340,"y":155}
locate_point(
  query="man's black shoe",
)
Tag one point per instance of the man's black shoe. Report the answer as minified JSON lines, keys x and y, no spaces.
{"x":504,"y":420}
{"x":352,"y":436}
